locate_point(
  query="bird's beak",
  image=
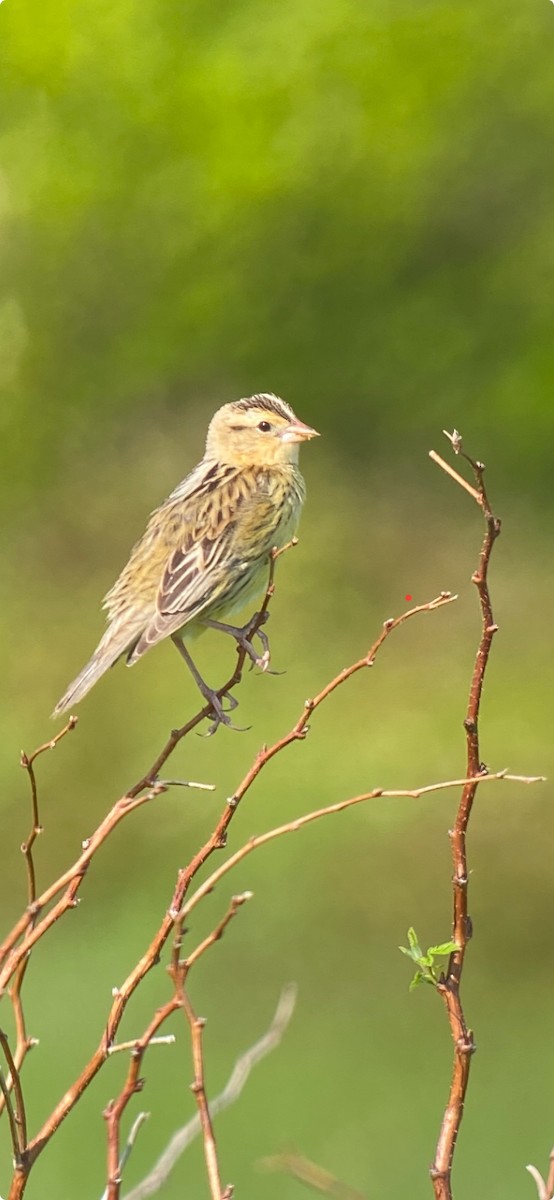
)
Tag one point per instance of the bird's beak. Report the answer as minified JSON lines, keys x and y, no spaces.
{"x":297,"y":431}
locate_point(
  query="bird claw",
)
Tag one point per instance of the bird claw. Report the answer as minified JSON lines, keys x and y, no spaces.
{"x":221,"y":715}
{"x":261,"y":661}
{"x":243,"y":635}
{"x":224,"y":720}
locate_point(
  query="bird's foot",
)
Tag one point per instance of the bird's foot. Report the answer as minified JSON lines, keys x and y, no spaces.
{"x":244,"y":634}
{"x":221,"y":714}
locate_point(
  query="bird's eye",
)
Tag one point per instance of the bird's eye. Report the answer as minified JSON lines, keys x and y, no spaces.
{"x":264,"y":427}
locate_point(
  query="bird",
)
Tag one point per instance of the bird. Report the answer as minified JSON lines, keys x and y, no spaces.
{"x":206,"y":550}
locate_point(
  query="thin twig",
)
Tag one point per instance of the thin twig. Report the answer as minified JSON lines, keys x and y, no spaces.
{"x":183,"y":1138}
{"x":15,"y":990}
{"x":166,"y":1040}
{"x":133,"y":1134}
{"x":454,"y":475}
{"x":133,"y":1084}
{"x":24,"y":1043}
{"x":217,"y":933}
{"x":27,"y":762}
{"x":180,"y":972}
{"x":317,"y":814}
{"x":113,"y":1114}
{"x":15,"y":1082}
{"x":15,"y":1134}
{"x":449,"y":986}
{"x":196,"y":1025}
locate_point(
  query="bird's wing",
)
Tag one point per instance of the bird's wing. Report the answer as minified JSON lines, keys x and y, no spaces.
{"x":211,"y":560}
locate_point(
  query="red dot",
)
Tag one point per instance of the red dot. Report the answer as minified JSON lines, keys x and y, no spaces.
{"x":408,"y":597}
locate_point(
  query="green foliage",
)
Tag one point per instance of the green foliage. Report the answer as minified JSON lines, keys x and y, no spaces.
{"x":348,"y":203}
{"x":425,"y":962}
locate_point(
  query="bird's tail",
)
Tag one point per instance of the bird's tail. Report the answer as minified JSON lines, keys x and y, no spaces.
{"x":117,"y":640}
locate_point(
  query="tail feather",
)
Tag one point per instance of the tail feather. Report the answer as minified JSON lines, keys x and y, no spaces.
{"x":114,"y":643}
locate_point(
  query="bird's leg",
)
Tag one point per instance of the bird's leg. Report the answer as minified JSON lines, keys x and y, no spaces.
{"x":220,"y":715}
{"x":244,"y":634}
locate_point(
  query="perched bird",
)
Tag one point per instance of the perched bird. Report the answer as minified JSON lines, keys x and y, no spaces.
{"x":206,"y":550}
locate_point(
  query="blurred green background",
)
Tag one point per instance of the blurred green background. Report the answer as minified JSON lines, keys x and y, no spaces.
{"x":350,"y":204}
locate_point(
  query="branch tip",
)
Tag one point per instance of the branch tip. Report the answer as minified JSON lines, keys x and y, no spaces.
{"x":455,"y":439}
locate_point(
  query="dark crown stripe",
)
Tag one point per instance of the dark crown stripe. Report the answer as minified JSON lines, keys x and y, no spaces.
{"x":268,"y":402}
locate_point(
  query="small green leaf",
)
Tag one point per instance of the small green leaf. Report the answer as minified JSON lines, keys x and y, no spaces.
{"x":414,"y":944}
{"x":444,"y":949}
{"x":426,"y":972}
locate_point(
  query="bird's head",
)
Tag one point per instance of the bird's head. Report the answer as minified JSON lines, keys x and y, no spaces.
{"x":260,"y":431}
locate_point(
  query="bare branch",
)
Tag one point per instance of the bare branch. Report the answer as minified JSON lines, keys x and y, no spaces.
{"x":18,"y":1148}
{"x":182,"y":1139}
{"x":449,"y":987}
{"x":317,"y":814}
{"x":27,"y":762}
{"x":133,"y":1134}
{"x":166,"y":1040}
{"x":179,"y":971}
{"x":15,"y":1084}
{"x":454,"y":474}
{"x":197,"y":1024}
{"x":132,"y":1085}
{"x":15,"y":990}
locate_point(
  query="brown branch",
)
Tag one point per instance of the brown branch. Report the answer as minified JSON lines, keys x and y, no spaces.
{"x":317,"y":814}
{"x":133,"y":1084}
{"x":27,"y":762}
{"x":180,"y":972}
{"x":15,"y":1084}
{"x":133,"y":1133}
{"x":120,"y":1047}
{"x":301,"y":728}
{"x":17,"y":1147}
{"x":198,"y":1088}
{"x":182,"y":1139}
{"x":23,"y":1042}
{"x":217,"y":933}
{"x":454,"y":475}
{"x":449,"y":986}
